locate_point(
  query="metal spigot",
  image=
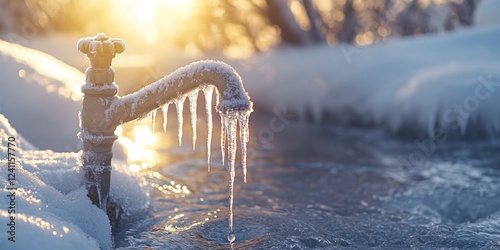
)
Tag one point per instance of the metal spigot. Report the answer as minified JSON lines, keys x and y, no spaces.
{"x":103,"y":111}
{"x":96,"y":137}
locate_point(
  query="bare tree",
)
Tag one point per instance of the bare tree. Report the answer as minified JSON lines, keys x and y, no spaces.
{"x":280,"y":15}
{"x":347,"y":32}
{"x":259,"y":24}
{"x":316,"y":21}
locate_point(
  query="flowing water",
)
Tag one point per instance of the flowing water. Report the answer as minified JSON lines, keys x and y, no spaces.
{"x":323,"y":187}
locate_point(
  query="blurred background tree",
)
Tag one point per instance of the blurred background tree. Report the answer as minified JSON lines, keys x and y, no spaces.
{"x":239,"y":27}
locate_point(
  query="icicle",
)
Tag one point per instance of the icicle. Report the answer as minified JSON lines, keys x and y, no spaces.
{"x":231,"y":134}
{"x":193,"y":97}
{"x":101,"y":196}
{"x":208,"y":92}
{"x":230,"y":121}
{"x":179,"y":105}
{"x":164,"y":111}
{"x":153,"y":120}
{"x":231,"y":237}
{"x":223,"y":128}
{"x":103,"y":201}
{"x":244,"y":138}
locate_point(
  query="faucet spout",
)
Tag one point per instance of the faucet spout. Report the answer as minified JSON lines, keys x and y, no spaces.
{"x":103,"y":111}
{"x":192,"y":77}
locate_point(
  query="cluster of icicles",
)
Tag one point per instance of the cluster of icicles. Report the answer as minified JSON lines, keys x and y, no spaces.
{"x":230,"y":120}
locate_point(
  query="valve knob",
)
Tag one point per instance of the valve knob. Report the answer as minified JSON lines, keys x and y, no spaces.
{"x":101,"y":49}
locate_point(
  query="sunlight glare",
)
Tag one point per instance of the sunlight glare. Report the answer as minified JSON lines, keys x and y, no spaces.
{"x":145,"y":11}
{"x":150,"y":17}
{"x":134,"y":168}
{"x":137,"y":152}
{"x":143,"y":135}
{"x":140,"y":154}
{"x":119,"y":131}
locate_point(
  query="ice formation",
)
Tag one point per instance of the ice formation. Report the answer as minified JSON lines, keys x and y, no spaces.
{"x":164,"y":111}
{"x":179,"y":106}
{"x":232,"y":103}
{"x":193,"y":97}
{"x":412,"y":87}
{"x":230,"y":121}
{"x":208,"y":92}
{"x":153,"y":121}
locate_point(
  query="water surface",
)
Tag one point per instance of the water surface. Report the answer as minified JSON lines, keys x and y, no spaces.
{"x":324,"y":187}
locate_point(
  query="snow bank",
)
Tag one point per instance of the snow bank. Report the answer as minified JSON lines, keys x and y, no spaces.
{"x":487,"y":13}
{"x":421,"y":86}
{"x":51,"y":207}
{"x":40,"y":96}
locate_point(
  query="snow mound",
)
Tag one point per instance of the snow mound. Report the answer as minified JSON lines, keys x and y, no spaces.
{"x":44,"y":69}
{"x":487,"y":13}
{"x":427,"y":86}
{"x":40,"y":96}
{"x":51,"y":204}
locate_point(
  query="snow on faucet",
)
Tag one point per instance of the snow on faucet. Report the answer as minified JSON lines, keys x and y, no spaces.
{"x":103,"y":110}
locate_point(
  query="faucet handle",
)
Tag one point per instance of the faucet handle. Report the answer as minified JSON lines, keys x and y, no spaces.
{"x":101,"y":49}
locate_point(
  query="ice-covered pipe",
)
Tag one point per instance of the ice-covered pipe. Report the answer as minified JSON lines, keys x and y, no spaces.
{"x":190,"y":78}
{"x":103,"y":111}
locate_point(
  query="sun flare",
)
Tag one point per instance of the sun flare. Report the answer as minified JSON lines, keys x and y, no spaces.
{"x":149,"y":18}
{"x":145,"y":11}
{"x":139,"y":147}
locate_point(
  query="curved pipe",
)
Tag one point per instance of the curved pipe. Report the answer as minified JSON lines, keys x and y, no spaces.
{"x":102,"y":111}
{"x":184,"y":80}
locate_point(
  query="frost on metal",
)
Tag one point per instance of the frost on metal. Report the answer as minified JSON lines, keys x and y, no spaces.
{"x":84,"y":135}
{"x":232,"y":103}
{"x":99,"y":43}
{"x":103,"y":111}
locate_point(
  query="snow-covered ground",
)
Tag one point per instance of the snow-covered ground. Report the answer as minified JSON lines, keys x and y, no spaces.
{"x":40,"y":96}
{"x":50,"y":204}
{"x":487,"y":13}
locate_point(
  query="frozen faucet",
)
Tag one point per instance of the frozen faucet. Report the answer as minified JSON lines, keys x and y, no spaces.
{"x":103,"y":110}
